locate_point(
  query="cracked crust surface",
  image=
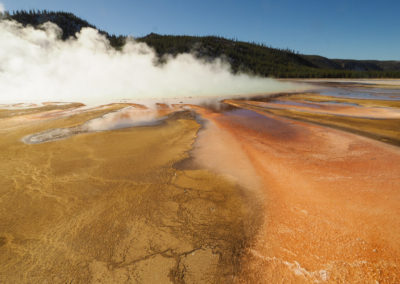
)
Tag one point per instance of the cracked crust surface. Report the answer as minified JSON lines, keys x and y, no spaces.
{"x":111,"y":207}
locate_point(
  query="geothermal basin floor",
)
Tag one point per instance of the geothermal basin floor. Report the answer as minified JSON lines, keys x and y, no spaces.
{"x":256,"y":193}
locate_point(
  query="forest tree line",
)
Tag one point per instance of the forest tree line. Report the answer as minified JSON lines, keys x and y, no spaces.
{"x":253,"y":58}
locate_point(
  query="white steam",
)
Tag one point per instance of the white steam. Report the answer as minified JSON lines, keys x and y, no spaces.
{"x":2,"y":9}
{"x":124,"y":118}
{"x":36,"y":66}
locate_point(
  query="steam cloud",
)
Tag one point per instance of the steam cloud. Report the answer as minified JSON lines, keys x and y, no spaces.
{"x":126,"y":117}
{"x":36,"y":66}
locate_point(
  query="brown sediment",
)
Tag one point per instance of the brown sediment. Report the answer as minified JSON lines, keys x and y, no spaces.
{"x":217,"y":150}
{"x":7,"y":113}
{"x":338,"y":109}
{"x":383,"y":129}
{"x":313,"y":97}
{"x":109,"y":207}
{"x":266,"y":199}
{"x":54,"y":119}
{"x":355,"y":83}
{"x":75,"y":112}
{"x":332,"y":202}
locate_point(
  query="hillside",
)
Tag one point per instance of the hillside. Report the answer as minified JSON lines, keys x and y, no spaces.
{"x":243,"y":56}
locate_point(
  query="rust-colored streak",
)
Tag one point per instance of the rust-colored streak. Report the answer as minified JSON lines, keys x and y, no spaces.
{"x":332,"y":201}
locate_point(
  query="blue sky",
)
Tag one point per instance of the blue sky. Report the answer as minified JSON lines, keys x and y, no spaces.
{"x":334,"y":28}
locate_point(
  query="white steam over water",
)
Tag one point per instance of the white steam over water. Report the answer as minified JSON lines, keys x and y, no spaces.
{"x":36,"y":66}
{"x":124,"y":118}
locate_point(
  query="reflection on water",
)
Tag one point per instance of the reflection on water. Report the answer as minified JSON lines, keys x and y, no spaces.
{"x":327,"y":103}
{"x":124,"y":118}
{"x":132,"y":116}
{"x":363,"y":93}
{"x":260,"y":124}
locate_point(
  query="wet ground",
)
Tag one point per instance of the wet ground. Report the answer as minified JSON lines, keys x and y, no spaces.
{"x":299,"y":188}
{"x":110,"y":206}
{"x":330,"y":202}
